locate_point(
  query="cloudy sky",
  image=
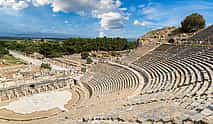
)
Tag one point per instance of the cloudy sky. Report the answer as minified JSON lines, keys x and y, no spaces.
{"x":93,"y":18}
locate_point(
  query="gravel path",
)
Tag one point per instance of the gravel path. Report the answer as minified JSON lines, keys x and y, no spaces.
{"x":33,"y":61}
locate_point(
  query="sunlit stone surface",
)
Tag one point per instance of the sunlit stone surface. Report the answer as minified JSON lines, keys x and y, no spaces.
{"x":40,"y":102}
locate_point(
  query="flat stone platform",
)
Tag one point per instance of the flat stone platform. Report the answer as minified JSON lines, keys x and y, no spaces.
{"x":39,"y":106}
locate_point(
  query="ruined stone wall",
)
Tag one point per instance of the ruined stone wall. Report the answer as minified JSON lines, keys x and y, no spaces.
{"x":12,"y":93}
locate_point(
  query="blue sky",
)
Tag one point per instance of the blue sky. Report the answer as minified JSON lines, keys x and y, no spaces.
{"x":93,"y":18}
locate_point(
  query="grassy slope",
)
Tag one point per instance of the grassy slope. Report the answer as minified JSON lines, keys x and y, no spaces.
{"x":10,"y":60}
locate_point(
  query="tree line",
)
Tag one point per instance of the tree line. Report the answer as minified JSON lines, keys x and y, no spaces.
{"x":53,"y":49}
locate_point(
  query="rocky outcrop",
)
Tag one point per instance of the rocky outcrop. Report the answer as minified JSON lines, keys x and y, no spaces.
{"x":204,"y":35}
{"x":164,"y":35}
{"x":156,"y":36}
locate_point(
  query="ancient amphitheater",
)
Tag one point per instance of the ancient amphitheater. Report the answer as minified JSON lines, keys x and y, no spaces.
{"x":170,"y":84}
{"x":163,"y":84}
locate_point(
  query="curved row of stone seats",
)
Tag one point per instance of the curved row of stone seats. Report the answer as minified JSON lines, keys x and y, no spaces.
{"x":188,"y":82}
{"x":108,"y":78}
{"x":182,"y":74}
{"x":178,"y":87}
{"x":158,"y":111}
{"x":103,"y":119}
{"x":194,"y":110}
{"x":100,"y":120}
{"x":117,"y":120}
{"x":186,"y":70}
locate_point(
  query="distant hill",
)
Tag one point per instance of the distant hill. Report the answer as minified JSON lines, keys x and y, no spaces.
{"x":204,"y":35}
{"x":38,"y":35}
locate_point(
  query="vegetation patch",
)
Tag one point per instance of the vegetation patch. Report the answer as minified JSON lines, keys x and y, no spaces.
{"x":54,"y":49}
{"x":3,"y":52}
{"x":10,"y":60}
{"x":89,"y":60}
{"x":45,"y":66}
{"x":193,"y":23}
{"x":85,"y":55}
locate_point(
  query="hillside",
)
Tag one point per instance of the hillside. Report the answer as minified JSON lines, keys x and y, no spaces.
{"x":156,"y":36}
{"x":164,"y":35}
{"x":204,"y":35}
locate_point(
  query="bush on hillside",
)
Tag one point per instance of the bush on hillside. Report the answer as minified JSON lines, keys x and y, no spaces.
{"x":45,"y":66}
{"x":193,"y":23}
{"x":84,"y":55}
{"x":3,"y":52}
{"x":89,"y":60}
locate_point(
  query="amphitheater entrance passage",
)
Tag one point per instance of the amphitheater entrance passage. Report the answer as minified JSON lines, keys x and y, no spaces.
{"x":75,"y":82}
{"x":32,"y":86}
{"x":171,"y":41}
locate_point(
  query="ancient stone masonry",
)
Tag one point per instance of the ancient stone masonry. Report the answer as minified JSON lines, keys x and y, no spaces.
{"x":11,"y":93}
{"x":204,"y":36}
{"x":177,"y":87}
{"x":171,"y":84}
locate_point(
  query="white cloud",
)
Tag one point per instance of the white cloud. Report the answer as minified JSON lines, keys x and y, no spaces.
{"x":67,"y":5}
{"x":66,"y":22}
{"x":144,"y":23}
{"x":102,"y":34}
{"x":20,"y":5}
{"x":155,"y":15}
{"x":151,"y":11}
{"x":161,"y":15}
{"x":108,"y":11}
{"x":110,"y":14}
{"x":111,"y":20}
{"x":38,"y":3}
{"x":13,"y":4}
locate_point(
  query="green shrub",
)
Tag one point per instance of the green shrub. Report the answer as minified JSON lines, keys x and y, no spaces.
{"x":114,"y":53}
{"x":193,"y":23}
{"x":3,"y":52}
{"x":45,"y":66}
{"x":131,"y":45}
{"x":84,"y":55}
{"x":89,"y":60}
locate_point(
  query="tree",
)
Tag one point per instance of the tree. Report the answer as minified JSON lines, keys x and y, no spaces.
{"x":51,"y":49}
{"x":29,"y":50}
{"x":45,"y":66}
{"x":193,"y":23}
{"x":84,"y":55}
{"x":3,"y":52}
{"x":89,"y":60}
